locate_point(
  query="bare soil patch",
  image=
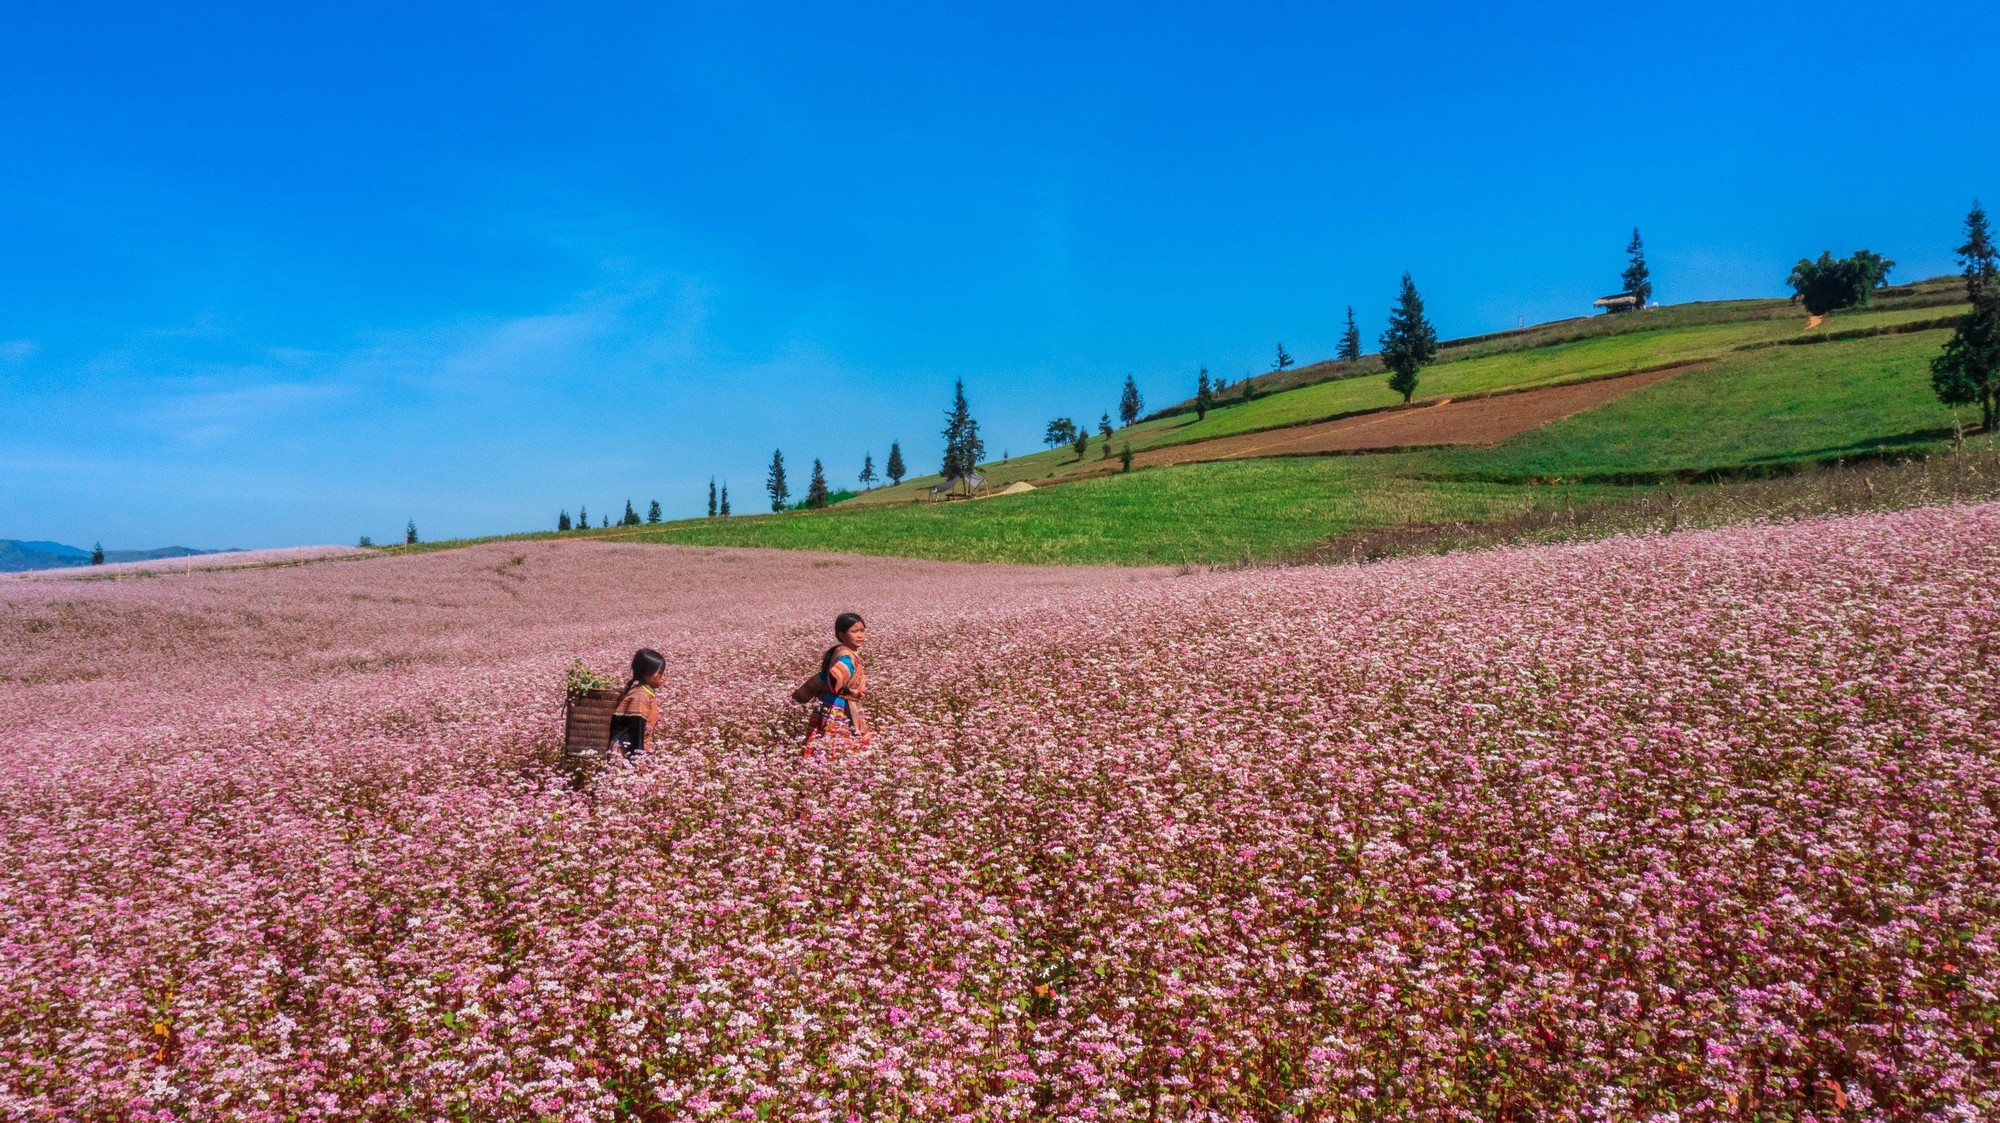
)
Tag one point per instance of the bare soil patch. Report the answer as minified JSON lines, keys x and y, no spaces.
{"x":1463,"y":421}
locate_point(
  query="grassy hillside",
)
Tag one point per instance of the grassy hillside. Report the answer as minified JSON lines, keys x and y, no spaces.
{"x":1201,"y":513}
{"x":1645,"y":342}
{"x":1745,"y":410}
{"x":1771,"y":392}
{"x":1753,"y":409}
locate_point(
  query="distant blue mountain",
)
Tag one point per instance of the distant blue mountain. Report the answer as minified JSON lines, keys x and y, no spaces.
{"x":16,"y":556}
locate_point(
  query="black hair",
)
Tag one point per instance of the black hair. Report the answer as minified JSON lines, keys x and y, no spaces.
{"x":645,"y":663}
{"x":841,"y":623}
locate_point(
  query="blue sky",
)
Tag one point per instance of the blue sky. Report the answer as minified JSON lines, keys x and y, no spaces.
{"x":271,"y":276}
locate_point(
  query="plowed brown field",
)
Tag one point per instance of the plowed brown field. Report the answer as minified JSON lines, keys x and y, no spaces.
{"x":1476,"y":421}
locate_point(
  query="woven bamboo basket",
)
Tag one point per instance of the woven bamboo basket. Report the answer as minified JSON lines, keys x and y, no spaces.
{"x":587,"y":726}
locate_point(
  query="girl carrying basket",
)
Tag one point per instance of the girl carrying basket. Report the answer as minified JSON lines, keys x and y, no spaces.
{"x":638,"y":709}
{"x":831,"y":694}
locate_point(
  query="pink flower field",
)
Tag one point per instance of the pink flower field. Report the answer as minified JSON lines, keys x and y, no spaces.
{"x":1671,"y":828}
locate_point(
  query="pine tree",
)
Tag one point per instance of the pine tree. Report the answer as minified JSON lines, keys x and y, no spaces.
{"x":1125,"y":457}
{"x":711,"y":497}
{"x":562,"y":521}
{"x":1350,"y":340}
{"x":963,"y":450}
{"x":816,"y":488}
{"x":1082,"y":444}
{"x":867,"y":476}
{"x":97,"y":554}
{"x":1203,"y":395}
{"x":582,"y":517}
{"x":604,"y":522}
{"x":653,"y":512}
{"x":1104,"y":435}
{"x":1636,"y":279}
{"x":1129,"y":404}
{"x":631,"y":517}
{"x":775,"y":482}
{"x":410,"y":533}
{"x":1968,"y":370}
{"x":1283,"y":360}
{"x":725,"y":501}
{"x":1409,"y":343}
{"x":895,"y":467}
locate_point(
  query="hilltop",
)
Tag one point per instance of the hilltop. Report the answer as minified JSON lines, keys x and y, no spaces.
{"x":1593,"y":414}
{"x":1702,"y":412}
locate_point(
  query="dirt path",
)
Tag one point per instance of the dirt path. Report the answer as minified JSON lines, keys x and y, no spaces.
{"x":1476,"y":421}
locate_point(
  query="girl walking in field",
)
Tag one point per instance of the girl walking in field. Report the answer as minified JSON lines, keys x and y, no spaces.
{"x":638,"y":709}
{"x":832,"y":694}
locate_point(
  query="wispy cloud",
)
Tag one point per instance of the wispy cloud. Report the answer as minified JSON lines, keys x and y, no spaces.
{"x":17,"y":350}
{"x":206,"y":416}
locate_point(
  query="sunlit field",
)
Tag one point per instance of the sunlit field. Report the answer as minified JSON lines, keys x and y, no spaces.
{"x":1698,"y":824}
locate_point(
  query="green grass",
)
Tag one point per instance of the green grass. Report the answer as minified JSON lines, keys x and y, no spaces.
{"x":1747,"y":411}
{"x":1200,"y":513}
{"x":1753,"y":409}
{"x":1508,"y":370}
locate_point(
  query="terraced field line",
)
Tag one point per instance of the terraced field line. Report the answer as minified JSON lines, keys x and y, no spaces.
{"x":1487,"y":419}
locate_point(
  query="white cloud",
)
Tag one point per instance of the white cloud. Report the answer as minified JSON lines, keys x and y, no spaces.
{"x":209,"y":415}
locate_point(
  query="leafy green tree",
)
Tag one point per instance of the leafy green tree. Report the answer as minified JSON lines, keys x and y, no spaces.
{"x":867,"y":476}
{"x":368,"y":543}
{"x":1061,"y":431}
{"x":410,"y":533}
{"x":1283,"y":360}
{"x":653,"y":512}
{"x":1409,"y":342}
{"x":562,"y":521}
{"x":894,"y":468}
{"x":1081,"y":444}
{"x":97,"y":554}
{"x":1830,"y":284}
{"x":1129,"y":403}
{"x":775,"y":482}
{"x":963,"y":450}
{"x":725,"y":501}
{"x":711,"y":497}
{"x":1636,"y":279}
{"x":1125,"y":457}
{"x":1104,"y":434}
{"x":1204,"y":395}
{"x":1350,"y":340}
{"x":1968,"y":370}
